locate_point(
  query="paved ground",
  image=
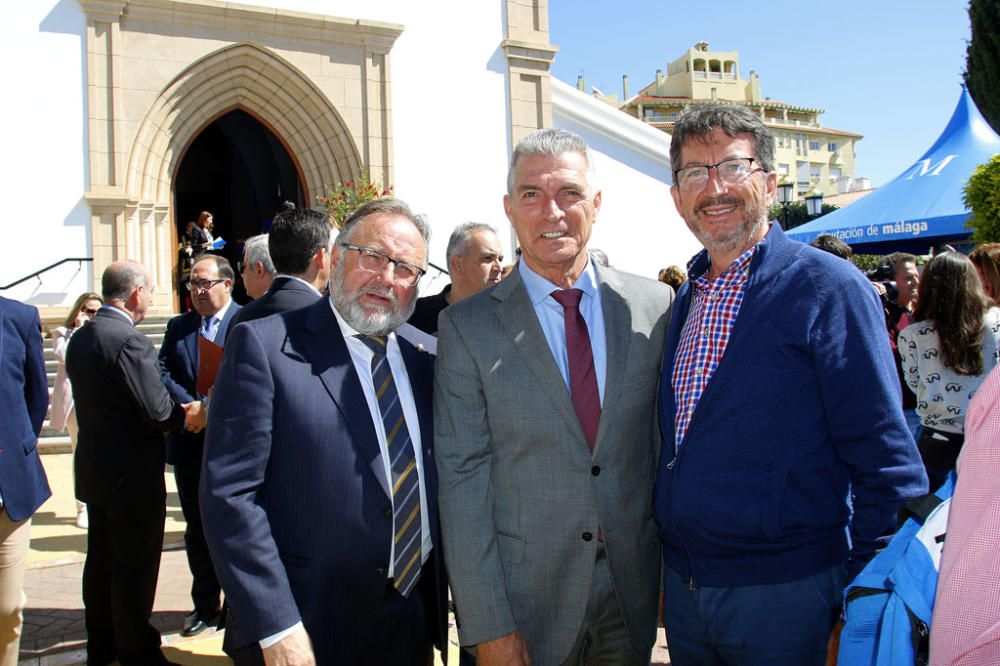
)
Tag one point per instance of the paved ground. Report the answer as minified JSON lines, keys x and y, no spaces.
{"x":53,"y":621}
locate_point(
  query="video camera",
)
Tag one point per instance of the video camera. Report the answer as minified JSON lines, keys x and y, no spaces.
{"x":885,"y":275}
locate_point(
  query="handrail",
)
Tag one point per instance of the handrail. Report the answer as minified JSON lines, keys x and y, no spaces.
{"x":80,"y":260}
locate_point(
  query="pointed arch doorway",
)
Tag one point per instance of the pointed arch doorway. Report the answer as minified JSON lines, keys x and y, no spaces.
{"x":240,"y":171}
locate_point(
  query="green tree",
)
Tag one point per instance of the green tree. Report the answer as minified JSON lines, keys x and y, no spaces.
{"x":982,"y":197}
{"x":798,"y":214}
{"x":982,"y":59}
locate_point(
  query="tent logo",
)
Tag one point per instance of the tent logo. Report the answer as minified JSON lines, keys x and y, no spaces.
{"x":924,"y":167}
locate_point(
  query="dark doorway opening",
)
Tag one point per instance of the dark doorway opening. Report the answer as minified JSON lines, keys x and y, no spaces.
{"x":238,"y":170}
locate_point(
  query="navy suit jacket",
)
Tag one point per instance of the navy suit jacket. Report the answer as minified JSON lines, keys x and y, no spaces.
{"x":294,"y":497}
{"x":178,"y":360}
{"x":283,"y":295}
{"x":24,"y":397}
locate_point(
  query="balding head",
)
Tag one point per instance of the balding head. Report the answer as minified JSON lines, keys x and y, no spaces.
{"x":125,"y":285}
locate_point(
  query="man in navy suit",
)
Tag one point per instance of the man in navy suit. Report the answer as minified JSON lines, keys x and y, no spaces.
{"x":24,"y":397}
{"x":299,"y":244}
{"x":318,"y":484}
{"x":211,"y":286}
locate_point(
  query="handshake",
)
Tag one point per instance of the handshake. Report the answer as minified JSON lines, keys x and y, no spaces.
{"x":195,"y":416}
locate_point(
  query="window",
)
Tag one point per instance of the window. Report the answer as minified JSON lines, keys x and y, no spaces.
{"x":832,"y":147}
{"x":814,"y":145}
{"x":835,"y":173}
{"x":814,"y":171}
{"x":783,"y":169}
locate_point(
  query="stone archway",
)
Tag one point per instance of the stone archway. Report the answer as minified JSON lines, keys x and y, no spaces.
{"x":159,"y":72}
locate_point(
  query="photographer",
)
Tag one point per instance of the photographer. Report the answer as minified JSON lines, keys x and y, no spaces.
{"x":898,"y":278}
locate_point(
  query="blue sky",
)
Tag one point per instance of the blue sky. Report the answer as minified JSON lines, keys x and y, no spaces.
{"x":887,"y":69}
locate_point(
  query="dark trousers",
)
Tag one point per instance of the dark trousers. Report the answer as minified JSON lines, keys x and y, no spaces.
{"x":124,"y":542}
{"x":205,"y":588}
{"x":784,"y":624}
{"x":403,"y":632}
{"x":939,"y":451}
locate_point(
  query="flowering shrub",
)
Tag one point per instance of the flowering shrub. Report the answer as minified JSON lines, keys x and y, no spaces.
{"x":345,"y":198}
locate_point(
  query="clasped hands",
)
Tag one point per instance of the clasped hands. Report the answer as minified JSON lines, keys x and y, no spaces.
{"x":195,"y":416}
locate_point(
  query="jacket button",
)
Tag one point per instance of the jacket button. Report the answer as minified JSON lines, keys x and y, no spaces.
{"x":595,"y":470}
{"x":587,"y":536}
{"x":382,"y":570}
{"x":387,"y":512}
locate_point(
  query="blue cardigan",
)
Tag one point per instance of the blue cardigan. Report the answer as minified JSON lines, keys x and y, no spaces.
{"x":800,"y":426}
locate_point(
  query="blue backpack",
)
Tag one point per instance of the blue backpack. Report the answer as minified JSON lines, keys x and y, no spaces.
{"x":887,"y":608}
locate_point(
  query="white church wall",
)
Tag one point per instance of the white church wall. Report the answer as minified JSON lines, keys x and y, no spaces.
{"x":43,"y":173}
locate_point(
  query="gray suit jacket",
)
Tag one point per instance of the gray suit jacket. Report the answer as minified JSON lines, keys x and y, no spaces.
{"x":520,"y":491}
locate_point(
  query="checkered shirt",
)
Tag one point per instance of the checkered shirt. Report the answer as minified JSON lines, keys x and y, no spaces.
{"x":714,"y":306}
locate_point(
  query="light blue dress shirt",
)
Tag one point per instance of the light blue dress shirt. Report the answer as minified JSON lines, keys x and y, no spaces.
{"x":550,"y":317}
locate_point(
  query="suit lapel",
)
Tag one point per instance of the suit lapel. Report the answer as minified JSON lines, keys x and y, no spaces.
{"x":617,"y":325}
{"x":220,"y":335}
{"x":517,"y":316}
{"x":190,"y":337}
{"x":327,"y":350}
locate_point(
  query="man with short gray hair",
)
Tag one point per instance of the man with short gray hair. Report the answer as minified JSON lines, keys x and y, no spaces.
{"x":475,"y":259}
{"x":256,"y":269}
{"x":545,"y":437}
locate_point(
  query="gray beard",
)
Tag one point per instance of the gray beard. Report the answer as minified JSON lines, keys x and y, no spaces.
{"x":379,"y":323}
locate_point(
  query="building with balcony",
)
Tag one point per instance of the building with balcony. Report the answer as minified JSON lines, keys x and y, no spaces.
{"x":806,"y":153}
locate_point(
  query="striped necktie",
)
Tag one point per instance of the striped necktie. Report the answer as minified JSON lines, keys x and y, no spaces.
{"x":208,"y":328}
{"x":405,"y":480}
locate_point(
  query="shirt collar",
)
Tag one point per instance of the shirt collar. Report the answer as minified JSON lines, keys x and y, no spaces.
{"x":119,"y":311}
{"x":293,"y":277}
{"x":221,"y":314}
{"x":539,"y":288}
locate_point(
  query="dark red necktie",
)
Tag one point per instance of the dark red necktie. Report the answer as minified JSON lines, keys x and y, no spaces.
{"x":582,"y":376}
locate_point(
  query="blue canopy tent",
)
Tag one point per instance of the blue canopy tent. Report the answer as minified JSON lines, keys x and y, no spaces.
{"x":922,"y":206}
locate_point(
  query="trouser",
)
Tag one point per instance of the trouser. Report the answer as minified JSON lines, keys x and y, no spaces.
{"x":124,"y":543}
{"x":783,"y":624}
{"x":14,"y":536}
{"x":603,"y":639}
{"x":205,"y":588}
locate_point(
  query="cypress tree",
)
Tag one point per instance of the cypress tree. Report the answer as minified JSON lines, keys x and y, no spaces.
{"x":982,"y":59}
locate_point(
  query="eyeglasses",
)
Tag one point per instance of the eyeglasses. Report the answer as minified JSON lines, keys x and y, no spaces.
{"x":90,"y":312}
{"x":374,"y":261}
{"x":203,"y":285}
{"x":731,"y":171}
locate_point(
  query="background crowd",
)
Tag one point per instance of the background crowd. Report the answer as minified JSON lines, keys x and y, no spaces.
{"x":749,"y":431}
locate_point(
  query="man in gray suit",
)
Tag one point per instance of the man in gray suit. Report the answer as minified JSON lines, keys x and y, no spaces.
{"x":545,"y":436}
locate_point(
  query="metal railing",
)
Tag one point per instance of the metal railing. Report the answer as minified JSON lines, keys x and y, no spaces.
{"x":67,"y":260}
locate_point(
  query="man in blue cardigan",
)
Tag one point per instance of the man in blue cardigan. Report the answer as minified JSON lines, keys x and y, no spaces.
{"x":785,"y":452}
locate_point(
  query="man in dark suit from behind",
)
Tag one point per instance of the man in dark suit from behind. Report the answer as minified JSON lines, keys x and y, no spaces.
{"x":24,"y":397}
{"x":318,"y":487}
{"x":300,"y":244}
{"x":211,"y":286}
{"x":123,"y":410}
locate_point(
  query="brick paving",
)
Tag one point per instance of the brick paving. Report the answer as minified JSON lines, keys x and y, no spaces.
{"x":53,"y":633}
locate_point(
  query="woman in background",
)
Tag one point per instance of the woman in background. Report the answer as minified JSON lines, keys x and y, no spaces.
{"x":986,"y":259}
{"x":947,"y":351}
{"x":63,"y":415}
